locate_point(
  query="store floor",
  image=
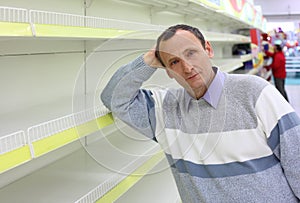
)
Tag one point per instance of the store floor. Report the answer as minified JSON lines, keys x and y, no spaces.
{"x":293,"y":90}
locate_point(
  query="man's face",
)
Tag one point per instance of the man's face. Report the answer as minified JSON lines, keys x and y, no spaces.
{"x":187,"y":61}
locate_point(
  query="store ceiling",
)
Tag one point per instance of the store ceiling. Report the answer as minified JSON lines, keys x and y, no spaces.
{"x":280,"y":10}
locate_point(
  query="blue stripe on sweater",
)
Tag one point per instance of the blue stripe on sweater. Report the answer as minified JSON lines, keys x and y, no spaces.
{"x":223,"y":170}
{"x":285,"y":123}
{"x":151,"y":111}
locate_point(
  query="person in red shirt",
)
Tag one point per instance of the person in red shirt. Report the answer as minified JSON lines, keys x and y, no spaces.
{"x":278,"y":69}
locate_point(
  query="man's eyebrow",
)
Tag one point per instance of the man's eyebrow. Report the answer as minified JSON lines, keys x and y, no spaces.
{"x":172,"y":58}
{"x":193,"y":48}
{"x":187,"y":50}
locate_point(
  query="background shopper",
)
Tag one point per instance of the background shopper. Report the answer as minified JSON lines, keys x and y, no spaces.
{"x":278,"y":69}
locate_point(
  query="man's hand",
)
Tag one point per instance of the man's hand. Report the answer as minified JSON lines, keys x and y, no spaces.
{"x":151,"y":60}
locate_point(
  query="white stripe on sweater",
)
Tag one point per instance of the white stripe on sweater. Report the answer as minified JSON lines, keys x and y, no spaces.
{"x":224,"y":147}
{"x":267,"y":108}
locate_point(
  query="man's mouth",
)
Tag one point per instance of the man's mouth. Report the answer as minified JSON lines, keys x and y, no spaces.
{"x":192,"y":76}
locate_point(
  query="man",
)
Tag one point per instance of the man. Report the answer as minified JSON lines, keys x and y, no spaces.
{"x":228,"y":138}
{"x":278,"y":69}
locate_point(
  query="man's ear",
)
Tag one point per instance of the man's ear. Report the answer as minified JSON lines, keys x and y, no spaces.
{"x":209,"y":50}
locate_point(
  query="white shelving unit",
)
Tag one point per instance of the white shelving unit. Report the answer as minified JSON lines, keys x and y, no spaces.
{"x":293,"y":64}
{"x":74,"y":176}
{"x":58,"y":143}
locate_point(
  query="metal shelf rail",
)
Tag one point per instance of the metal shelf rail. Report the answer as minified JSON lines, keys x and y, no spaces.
{"x":48,"y":136}
{"x":292,"y":64}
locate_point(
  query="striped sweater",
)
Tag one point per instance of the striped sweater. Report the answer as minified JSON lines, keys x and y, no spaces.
{"x":245,"y":148}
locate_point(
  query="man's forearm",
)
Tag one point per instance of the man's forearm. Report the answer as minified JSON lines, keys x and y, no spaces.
{"x":126,"y":82}
{"x":125,"y":99}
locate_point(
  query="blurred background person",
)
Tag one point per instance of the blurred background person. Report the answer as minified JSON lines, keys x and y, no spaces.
{"x":278,"y":67}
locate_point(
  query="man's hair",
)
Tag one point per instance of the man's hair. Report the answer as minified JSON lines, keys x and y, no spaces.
{"x":278,"y":47}
{"x":170,"y":32}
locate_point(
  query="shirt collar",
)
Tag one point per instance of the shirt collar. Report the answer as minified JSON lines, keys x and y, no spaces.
{"x":214,"y":91}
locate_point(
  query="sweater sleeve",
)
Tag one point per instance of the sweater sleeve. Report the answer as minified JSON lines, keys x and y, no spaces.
{"x":125,"y":98}
{"x":282,"y":128}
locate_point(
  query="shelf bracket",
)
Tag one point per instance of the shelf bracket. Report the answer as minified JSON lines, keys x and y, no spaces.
{"x":88,"y":3}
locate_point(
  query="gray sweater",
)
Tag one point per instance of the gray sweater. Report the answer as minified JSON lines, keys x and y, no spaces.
{"x":242,"y":144}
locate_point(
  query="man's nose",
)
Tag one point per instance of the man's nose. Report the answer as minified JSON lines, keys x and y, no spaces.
{"x":187,"y":67}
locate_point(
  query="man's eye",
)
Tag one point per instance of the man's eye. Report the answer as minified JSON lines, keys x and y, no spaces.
{"x":174,"y":62}
{"x":190,"y":53}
